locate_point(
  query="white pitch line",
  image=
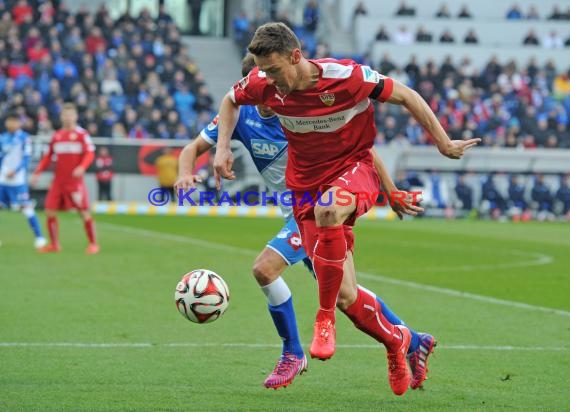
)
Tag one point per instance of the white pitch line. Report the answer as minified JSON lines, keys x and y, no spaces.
{"x":459,"y":294}
{"x":364,"y":275}
{"x":144,"y":345}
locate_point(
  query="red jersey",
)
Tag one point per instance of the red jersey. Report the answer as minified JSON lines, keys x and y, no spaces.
{"x":72,"y":148}
{"x":328,"y":126}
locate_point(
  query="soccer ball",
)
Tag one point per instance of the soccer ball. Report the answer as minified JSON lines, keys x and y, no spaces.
{"x":202,"y":296}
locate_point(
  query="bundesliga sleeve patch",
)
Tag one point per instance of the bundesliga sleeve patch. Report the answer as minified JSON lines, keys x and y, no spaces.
{"x":369,"y":75}
{"x":242,"y":84}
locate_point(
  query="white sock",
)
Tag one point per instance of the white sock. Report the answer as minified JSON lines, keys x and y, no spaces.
{"x":277,"y":292}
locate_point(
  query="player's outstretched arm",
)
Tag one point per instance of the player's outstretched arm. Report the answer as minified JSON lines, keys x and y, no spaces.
{"x":412,"y":101}
{"x":187,"y":163}
{"x":223,"y":161}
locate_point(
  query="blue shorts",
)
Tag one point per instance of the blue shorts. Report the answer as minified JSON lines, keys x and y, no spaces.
{"x":14,"y":196}
{"x":288,"y":244}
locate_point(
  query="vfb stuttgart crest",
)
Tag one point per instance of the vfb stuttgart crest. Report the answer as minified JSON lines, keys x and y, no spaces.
{"x":327,"y":98}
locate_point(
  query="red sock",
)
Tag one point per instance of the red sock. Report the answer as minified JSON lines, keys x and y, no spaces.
{"x":53,"y":230}
{"x":366,"y":314}
{"x":90,"y":230}
{"x":328,"y":262}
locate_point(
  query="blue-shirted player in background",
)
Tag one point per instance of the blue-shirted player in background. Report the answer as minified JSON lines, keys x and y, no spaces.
{"x":259,"y":130}
{"x":15,"y":153}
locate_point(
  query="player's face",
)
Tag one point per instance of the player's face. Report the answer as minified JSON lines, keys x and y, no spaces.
{"x":12,"y":124}
{"x":280,"y":69}
{"x":69,"y":117}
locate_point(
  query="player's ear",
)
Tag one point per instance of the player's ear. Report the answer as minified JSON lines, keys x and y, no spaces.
{"x":296,"y":56}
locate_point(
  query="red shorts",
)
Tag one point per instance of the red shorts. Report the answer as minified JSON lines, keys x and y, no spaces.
{"x":356,"y":178}
{"x":65,"y":197}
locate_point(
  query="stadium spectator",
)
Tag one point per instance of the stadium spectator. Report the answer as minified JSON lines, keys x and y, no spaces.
{"x":360,"y":10}
{"x":531,"y":39}
{"x":563,"y":195}
{"x":517,"y":191}
{"x":464,"y":13}
{"x":491,"y":197}
{"x":471,"y":37}
{"x":405,"y":10}
{"x":167,"y":172}
{"x":557,"y":14}
{"x":437,"y":191}
{"x":446,"y":37}
{"x":542,"y":197}
{"x":382,"y":34}
{"x":552,"y":40}
{"x":532,"y":13}
{"x":514,"y":13}
{"x":403,"y":36}
{"x":423,"y":36}
{"x":311,"y":15}
{"x":104,"y":174}
{"x":464,"y":193}
{"x":22,"y":12}
{"x":443,"y":12}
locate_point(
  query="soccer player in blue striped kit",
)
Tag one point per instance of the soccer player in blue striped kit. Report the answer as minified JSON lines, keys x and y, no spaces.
{"x":15,"y":153}
{"x":259,"y":129}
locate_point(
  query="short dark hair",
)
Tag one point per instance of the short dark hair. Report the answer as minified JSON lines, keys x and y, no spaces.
{"x":12,"y":114}
{"x":247,"y":64}
{"x":69,"y":106}
{"x":273,"y":38}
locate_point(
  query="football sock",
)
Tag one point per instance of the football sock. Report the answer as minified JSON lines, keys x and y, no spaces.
{"x":366,"y":314}
{"x":90,"y":230}
{"x":280,"y":305}
{"x":328,"y":262}
{"x":53,"y":230}
{"x":395,"y":320}
{"x":33,"y":221}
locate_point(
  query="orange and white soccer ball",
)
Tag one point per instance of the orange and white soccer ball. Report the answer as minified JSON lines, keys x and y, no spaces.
{"x":202,"y":296}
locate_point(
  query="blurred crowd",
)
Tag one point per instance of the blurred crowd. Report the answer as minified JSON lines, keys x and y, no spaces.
{"x":495,"y":195}
{"x":505,"y":105}
{"x":130,"y":77}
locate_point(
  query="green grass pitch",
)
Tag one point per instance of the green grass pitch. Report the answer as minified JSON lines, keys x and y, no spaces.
{"x":102,"y":332}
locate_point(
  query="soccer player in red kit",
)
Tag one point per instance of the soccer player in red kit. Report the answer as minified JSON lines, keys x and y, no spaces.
{"x":326,"y":113}
{"x":74,"y":152}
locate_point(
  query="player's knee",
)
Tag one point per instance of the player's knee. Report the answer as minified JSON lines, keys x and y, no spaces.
{"x":264,"y":272}
{"x":327,"y":215}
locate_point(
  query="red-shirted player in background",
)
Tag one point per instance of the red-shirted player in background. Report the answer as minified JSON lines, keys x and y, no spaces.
{"x":74,"y":152}
{"x":325,"y":110}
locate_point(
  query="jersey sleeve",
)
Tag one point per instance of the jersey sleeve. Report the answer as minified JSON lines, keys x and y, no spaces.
{"x":210,"y":132}
{"x":367,"y":82}
{"x":249,"y":90}
{"x":88,"y":152}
